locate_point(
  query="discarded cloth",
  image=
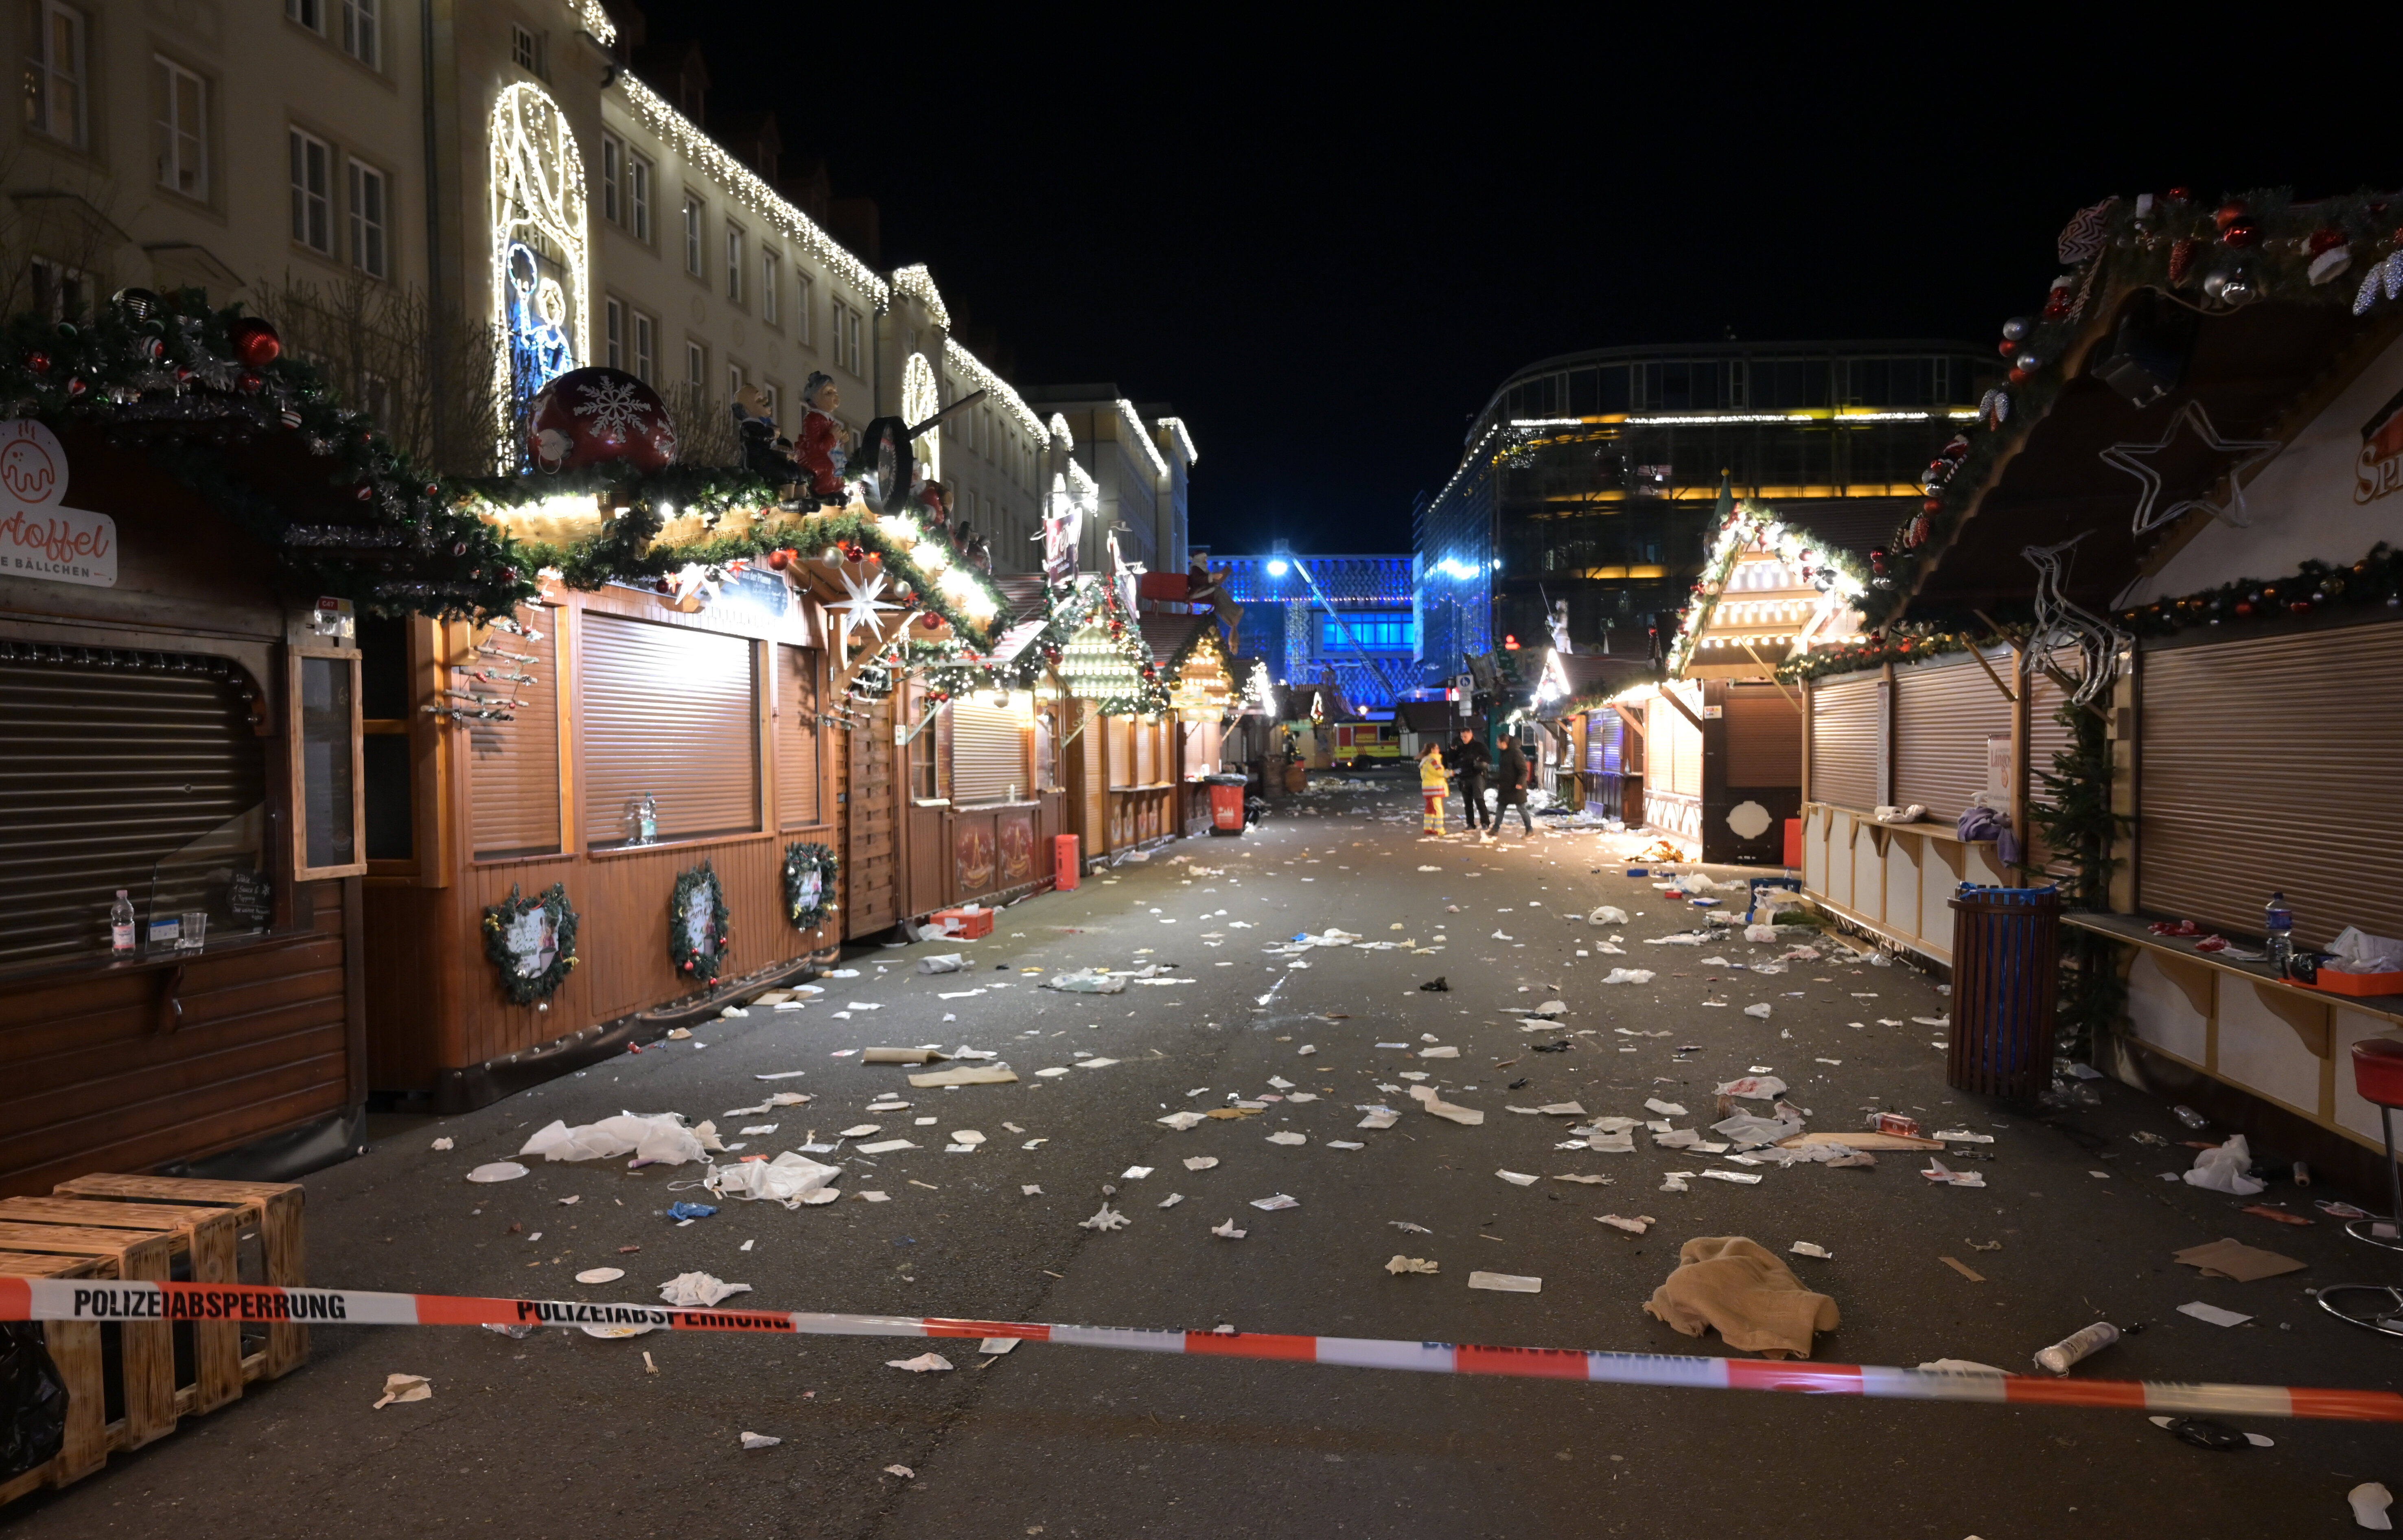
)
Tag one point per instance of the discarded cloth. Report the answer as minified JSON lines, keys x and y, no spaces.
{"x":1742,"y":1289}
{"x":1086,"y":981}
{"x":2223,"y":1169}
{"x":698,"y":1290}
{"x":656,"y":1136}
{"x":790,"y":1179}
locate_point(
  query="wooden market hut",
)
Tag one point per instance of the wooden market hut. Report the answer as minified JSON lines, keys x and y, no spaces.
{"x":188,"y":529}
{"x":2225,"y":463}
{"x":1190,"y":653}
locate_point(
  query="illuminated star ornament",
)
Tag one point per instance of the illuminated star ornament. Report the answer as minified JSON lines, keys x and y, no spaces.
{"x":860,"y":609}
{"x":2130,"y":458}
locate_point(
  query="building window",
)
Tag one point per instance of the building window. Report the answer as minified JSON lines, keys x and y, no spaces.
{"x":54,"y":71}
{"x":313,"y":204}
{"x":768,"y":265}
{"x":183,"y":131}
{"x":804,"y":301}
{"x":1372,"y":632}
{"x":360,"y":39}
{"x":646,"y":332}
{"x":638,"y":197}
{"x":525,"y":49}
{"x":309,"y":13}
{"x":733,"y":380}
{"x":842,"y":323}
{"x":61,"y":291}
{"x":613,"y":335}
{"x":696,"y":366}
{"x":613,"y":162}
{"x":734,"y":263}
{"x":774,"y":396}
{"x":692,"y":235}
{"x":371,"y":200}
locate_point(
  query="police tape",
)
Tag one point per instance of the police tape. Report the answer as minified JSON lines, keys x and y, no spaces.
{"x":98,"y":1301}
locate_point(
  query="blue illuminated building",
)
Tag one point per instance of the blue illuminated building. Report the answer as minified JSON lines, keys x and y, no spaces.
{"x":1351,"y":619}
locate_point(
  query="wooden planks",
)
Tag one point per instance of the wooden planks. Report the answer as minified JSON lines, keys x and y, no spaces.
{"x":75,"y":1351}
{"x":274,"y":1209}
{"x":206,"y":1236}
{"x":872,"y":825}
{"x":149,"y":1346}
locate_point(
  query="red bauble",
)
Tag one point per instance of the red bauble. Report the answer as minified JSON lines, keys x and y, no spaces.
{"x":2019,"y":377}
{"x":75,"y":388}
{"x":1934,"y":505}
{"x":779,"y":560}
{"x":2240,"y":232}
{"x":2007,"y":346}
{"x":599,"y":416}
{"x":2227,"y":214}
{"x":2243,"y":607}
{"x":39,"y":362}
{"x":2179,"y":195}
{"x":251,"y":381}
{"x":2327,"y":238}
{"x":254,"y":343}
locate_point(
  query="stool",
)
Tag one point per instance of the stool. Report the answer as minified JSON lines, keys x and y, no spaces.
{"x":2377,"y":1076}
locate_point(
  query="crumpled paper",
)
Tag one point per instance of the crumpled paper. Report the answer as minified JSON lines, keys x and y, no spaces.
{"x":1425,"y":1097}
{"x":790,"y":1179}
{"x":925,"y":1363}
{"x":1608,"y":914}
{"x":2354,"y":951}
{"x":1401,"y":1264}
{"x":655,"y":1136}
{"x":405,"y":1387}
{"x":698,"y":1290}
{"x":2223,"y":1169}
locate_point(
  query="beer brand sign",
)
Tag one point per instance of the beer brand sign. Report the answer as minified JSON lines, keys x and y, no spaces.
{"x":40,"y":536}
{"x":2380,"y":469}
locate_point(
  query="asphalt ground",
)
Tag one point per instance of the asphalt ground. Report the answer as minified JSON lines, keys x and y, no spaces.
{"x":563,"y":1435}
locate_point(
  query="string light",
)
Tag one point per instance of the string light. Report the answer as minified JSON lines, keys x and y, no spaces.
{"x":596,"y":23}
{"x":959,"y":360}
{"x":922,"y":399}
{"x":1135,"y":423}
{"x":538,"y":189}
{"x":917,"y":281}
{"x":1744,"y":527}
{"x":1184,"y":439}
{"x":682,"y":135}
{"x":1060,"y":431}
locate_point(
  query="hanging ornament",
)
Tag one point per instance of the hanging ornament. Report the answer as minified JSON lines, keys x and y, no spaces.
{"x":39,"y":361}
{"x":2057,"y":300}
{"x":598,"y":416}
{"x":254,"y":343}
{"x":2330,"y":254}
{"x":2182,"y":255}
{"x":2232,"y":286}
{"x":2016,"y":329}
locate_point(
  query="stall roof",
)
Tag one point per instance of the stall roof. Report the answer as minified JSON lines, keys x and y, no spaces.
{"x":1172,"y":637}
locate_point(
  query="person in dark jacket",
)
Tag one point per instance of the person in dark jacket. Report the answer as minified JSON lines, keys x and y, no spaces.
{"x":1469,"y":767}
{"x":1510,"y":786}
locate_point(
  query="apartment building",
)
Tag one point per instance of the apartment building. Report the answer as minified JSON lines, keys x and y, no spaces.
{"x":1138,"y":473}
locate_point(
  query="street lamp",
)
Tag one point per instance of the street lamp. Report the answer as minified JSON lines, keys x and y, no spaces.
{"x":1276,"y":568}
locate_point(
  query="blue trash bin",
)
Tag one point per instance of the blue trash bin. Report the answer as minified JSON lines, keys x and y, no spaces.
{"x":2006,"y":983}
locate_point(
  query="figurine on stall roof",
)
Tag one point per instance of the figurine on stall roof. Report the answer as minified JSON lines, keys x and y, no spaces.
{"x":823,"y":440}
{"x":934,"y":503}
{"x":973,"y":547}
{"x":765,"y":452}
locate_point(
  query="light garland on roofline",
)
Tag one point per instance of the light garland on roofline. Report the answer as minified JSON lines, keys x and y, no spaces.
{"x":684,"y":136}
{"x":1184,"y":439}
{"x":959,"y":360}
{"x":1134,"y":421}
{"x":918,"y":281}
{"x":1830,"y":570}
{"x":1060,"y":431}
{"x":595,"y":21}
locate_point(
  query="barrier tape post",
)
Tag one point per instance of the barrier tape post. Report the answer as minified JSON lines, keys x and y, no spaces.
{"x":93,"y":1300}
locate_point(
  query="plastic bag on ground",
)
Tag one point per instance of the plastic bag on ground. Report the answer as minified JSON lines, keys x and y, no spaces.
{"x":790,"y":1179}
{"x":33,"y":1400}
{"x":656,"y":1136}
{"x":1608,"y":914}
{"x":950,"y":961}
{"x":2222,"y":1169}
{"x":698,"y":1290}
{"x":1086,"y":981}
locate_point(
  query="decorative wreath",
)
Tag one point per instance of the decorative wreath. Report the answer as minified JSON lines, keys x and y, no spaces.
{"x":809,"y":885}
{"x":698,"y":934}
{"x":531,"y":941}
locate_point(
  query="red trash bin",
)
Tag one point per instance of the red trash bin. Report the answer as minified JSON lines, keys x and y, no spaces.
{"x":1226,"y":803}
{"x":1064,"y":863}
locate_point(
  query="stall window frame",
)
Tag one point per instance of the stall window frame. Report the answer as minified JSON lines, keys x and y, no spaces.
{"x":294,"y":742}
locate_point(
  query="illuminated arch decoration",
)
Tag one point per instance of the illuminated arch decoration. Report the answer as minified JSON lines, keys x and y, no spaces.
{"x":541,"y":264}
{"x":921,"y":399}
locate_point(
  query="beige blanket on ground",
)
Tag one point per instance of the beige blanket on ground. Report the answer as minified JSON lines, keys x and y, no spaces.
{"x":1752,"y":1299}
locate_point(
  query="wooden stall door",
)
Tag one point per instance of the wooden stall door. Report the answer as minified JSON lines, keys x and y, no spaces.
{"x":872,"y":824}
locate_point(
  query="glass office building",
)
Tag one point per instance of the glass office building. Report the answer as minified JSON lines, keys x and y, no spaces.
{"x":1314,"y":619}
{"x":1591,"y":478}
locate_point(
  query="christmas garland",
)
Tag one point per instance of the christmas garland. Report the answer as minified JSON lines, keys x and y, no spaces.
{"x":2212,"y":258}
{"x":2376,"y":579}
{"x":1898,"y":644}
{"x":703,"y":961}
{"x":809,"y":885}
{"x":2081,"y":829}
{"x":501,"y":920}
{"x":202,"y":392}
{"x":1745,"y":524}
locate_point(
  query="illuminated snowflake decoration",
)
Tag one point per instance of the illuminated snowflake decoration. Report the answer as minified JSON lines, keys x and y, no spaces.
{"x":614,"y":410}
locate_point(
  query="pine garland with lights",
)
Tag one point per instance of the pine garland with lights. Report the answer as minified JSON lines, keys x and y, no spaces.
{"x":1900,"y":644}
{"x":2213,"y":258}
{"x":202,"y":393}
{"x":2375,"y":581}
{"x":2081,"y":828}
{"x":1746,"y":523}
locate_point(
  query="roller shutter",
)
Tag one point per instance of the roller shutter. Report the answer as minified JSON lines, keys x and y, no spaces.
{"x":2270,"y":763}
{"x":1677,"y":746}
{"x":1764,"y":737}
{"x":117,"y":763}
{"x":1605,"y":741}
{"x":798,"y":733}
{"x":513,"y":767}
{"x":1944,"y":710}
{"x":1846,"y":739}
{"x":668,"y":710}
{"x":988,"y":753}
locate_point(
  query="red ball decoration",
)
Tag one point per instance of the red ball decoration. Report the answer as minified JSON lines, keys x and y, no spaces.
{"x":599,"y":416}
{"x":39,"y":361}
{"x":2240,"y":232}
{"x":254,"y":343}
{"x":75,"y":388}
{"x":2327,"y":238}
{"x":779,"y":560}
{"x":2179,"y":195}
{"x":251,"y":381}
{"x":2243,"y":607}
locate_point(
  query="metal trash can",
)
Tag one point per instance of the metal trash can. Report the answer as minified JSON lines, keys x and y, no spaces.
{"x":1226,"y":803}
{"x":2006,"y":952}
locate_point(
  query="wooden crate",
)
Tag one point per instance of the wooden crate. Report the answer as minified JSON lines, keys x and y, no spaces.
{"x":75,"y":1348}
{"x":273,"y":1209}
{"x":206,"y":1240}
{"x":148,"y":1347}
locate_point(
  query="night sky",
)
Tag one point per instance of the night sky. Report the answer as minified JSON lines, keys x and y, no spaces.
{"x":1326,"y":244}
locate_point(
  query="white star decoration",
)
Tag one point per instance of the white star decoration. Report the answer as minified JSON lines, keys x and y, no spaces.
{"x":2126,"y":457}
{"x":860,"y":609}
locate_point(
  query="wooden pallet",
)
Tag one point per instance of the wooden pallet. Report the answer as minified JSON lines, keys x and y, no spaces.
{"x":148,"y":1347}
{"x":271,"y":1208}
{"x":205,"y":1240}
{"x":75,"y":1349}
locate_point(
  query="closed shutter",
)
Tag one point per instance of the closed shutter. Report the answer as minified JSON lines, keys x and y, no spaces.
{"x":2270,"y":763}
{"x":513,"y":767}
{"x":116,"y":763}
{"x":988,"y":753}
{"x":1121,"y":756}
{"x":666,"y":711}
{"x":1604,"y":743}
{"x":797,"y":737}
{"x":1764,"y":737}
{"x":1944,"y":710}
{"x":1202,"y":749}
{"x":1146,"y":751}
{"x":1845,"y":742}
{"x":1678,"y":750}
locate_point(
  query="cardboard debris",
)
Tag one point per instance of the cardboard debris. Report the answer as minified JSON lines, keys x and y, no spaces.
{"x":886,"y":1146}
{"x":405,"y":1387}
{"x":1666,"y":1109}
{"x":1632,"y":1224}
{"x":2234,"y":1259}
{"x":925,"y":1363}
{"x":978,"y":1074}
{"x":903,"y":1056}
{"x":1863,"y":1141}
{"x":1426,"y":1097}
{"x":1964,"y":1269}
{"x":1506,"y":1283}
{"x":1401,"y":1264}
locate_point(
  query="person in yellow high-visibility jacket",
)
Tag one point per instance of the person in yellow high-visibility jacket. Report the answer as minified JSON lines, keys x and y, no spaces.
{"x":1434,"y":782}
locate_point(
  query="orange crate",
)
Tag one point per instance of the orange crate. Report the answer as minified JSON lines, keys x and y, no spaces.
{"x":2360,"y":985}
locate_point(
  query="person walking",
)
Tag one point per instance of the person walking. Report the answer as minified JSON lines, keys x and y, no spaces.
{"x":1468,"y":763}
{"x":1510,"y":786}
{"x":1433,"y":779}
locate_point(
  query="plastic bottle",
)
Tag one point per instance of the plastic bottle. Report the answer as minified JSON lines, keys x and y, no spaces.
{"x":2278,"y":920}
{"x":2190,"y":1117}
{"x":121,"y":925}
{"x":2078,"y":1346}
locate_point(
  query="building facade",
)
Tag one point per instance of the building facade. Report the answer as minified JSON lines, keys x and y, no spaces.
{"x":1349,"y":620}
{"x":1591,"y":478}
{"x":1133,"y":473}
